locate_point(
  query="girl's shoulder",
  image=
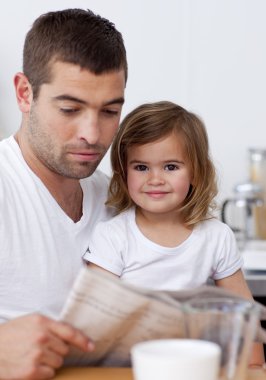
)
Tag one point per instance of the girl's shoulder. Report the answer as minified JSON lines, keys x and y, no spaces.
{"x":214,"y":227}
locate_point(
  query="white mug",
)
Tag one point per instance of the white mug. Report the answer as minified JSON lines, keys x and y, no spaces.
{"x":172,"y":359}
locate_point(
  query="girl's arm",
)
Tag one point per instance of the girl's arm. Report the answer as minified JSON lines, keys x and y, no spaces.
{"x":94,"y":266}
{"x":237,"y":284}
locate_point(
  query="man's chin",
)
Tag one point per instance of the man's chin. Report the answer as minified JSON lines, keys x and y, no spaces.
{"x":84,"y":173}
{"x":79,"y":172}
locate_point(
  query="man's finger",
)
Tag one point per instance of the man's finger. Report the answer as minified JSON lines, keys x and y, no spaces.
{"x":71,"y":335}
{"x":51,"y":359}
{"x":44,"y":372}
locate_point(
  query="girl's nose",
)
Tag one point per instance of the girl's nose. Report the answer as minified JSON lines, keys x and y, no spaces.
{"x":156,"y":178}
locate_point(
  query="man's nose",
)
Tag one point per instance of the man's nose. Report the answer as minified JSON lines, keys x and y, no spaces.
{"x":89,"y":129}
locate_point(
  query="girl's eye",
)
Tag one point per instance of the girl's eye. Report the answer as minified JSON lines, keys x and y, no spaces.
{"x":141,"y":168}
{"x":171,"y":167}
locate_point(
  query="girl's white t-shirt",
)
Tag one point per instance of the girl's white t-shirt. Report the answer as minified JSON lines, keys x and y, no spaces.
{"x":119,"y":246}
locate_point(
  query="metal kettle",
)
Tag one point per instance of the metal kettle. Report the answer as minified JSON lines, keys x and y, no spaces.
{"x":245,"y":213}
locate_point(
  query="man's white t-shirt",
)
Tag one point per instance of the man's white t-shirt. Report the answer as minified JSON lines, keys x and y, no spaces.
{"x":119,"y":246}
{"x":41,"y":248}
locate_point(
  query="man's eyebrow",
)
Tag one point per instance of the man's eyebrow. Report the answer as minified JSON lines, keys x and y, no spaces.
{"x":120,"y":100}
{"x":69,"y":97}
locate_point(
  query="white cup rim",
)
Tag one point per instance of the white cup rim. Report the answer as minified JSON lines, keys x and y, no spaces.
{"x":170,"y":347}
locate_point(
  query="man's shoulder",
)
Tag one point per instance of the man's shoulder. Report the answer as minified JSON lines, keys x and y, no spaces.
{"x":96,"y":186}
{"x":8,"y":165}
{"x":95,"y":190}
{"x":6,"y":144}
{"x":118,"y":223}
{"x":98,"y":178}
{"x":9,"y":154}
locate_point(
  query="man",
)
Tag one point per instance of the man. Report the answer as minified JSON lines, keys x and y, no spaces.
{"x":70,"y":94}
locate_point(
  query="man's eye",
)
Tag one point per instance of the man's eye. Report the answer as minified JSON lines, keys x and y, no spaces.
{"x":171,"y":167}
{"x":68,"y":110}
{"x":141,"y":168}
{"x":109,"y":112}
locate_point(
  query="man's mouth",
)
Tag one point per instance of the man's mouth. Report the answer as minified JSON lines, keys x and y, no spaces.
{"x":86,"y":156}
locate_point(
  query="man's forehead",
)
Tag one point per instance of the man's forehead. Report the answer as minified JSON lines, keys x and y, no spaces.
{"x":59,"y":68}
{"x":71,"y":81}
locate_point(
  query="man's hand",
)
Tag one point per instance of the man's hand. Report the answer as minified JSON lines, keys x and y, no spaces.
{"x":33,"y":346}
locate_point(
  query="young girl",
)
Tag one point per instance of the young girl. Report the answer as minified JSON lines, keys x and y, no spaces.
{"x":164,"y":236}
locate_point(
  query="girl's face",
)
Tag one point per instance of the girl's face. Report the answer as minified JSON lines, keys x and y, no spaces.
{"x":158,"y":175}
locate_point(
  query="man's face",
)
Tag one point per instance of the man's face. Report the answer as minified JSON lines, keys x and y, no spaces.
{"x":74,"y":119}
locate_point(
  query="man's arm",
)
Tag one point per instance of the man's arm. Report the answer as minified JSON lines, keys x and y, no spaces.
{"x":34,"y":346}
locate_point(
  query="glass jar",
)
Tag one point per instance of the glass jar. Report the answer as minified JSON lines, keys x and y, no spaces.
{"x":257,"y":158}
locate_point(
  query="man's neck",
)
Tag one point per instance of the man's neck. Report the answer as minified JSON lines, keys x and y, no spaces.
{"x":66,"y":191}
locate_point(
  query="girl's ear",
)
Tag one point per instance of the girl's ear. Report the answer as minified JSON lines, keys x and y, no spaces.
{"x":23,"y":92}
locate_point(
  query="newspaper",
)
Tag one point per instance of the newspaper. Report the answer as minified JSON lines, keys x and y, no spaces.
{"x":117,"y":315}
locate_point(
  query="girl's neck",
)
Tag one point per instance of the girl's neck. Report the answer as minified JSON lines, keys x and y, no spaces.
{"x":165,"y":229}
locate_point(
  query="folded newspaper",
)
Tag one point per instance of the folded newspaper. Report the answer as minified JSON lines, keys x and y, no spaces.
{"x":117,"y":315}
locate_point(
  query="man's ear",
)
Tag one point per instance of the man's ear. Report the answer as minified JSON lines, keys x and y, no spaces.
{"x":23,"y":92}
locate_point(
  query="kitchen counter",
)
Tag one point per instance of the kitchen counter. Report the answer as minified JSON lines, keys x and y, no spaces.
{"x":254,"y":255}
{"x":257,"y":282}
{"x":93,"y":373}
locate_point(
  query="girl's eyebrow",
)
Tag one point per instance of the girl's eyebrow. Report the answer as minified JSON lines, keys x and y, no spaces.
{"x":174,"y":161}
{"x":146,"y":162}
{"x":137,"y":162}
